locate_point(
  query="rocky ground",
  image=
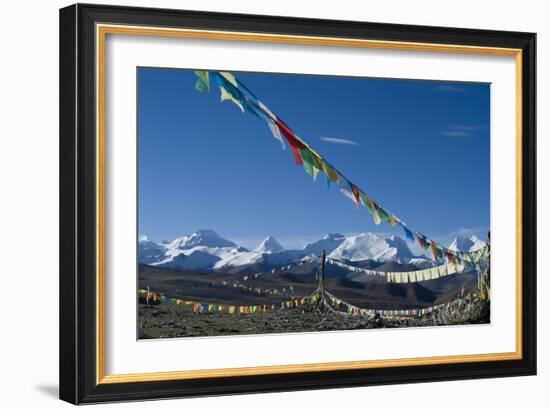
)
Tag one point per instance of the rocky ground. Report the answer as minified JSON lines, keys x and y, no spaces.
{"x":168,"y":320}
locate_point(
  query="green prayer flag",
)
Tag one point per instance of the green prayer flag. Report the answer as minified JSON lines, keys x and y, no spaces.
{"x":308,"y":168}
{"x":372,"y":208}
{"x":308,"y":162}
{"x":203,"y":82}
{"x":384,"y":215}
{"x":306,"y":156}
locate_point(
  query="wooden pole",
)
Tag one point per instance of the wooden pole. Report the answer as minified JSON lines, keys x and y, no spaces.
{"x":322,"y":277}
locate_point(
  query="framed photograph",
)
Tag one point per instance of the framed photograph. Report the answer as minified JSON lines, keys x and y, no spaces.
{"x":258,"y":203}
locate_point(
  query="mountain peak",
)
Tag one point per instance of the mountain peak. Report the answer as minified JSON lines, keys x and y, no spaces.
{"x":471,"y":243}
{"x":269,"y":245}
{"x":370,"y":246}
{"x":398,"y":239}
{"x":206,"y":233}
{"x":328,"y":243}
{"x":206,"y":237}
{"x":333,"y":236}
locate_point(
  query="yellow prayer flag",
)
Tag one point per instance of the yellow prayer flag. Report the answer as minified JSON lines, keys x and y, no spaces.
{"x":227,"y":96}
{"x":230,"y":77}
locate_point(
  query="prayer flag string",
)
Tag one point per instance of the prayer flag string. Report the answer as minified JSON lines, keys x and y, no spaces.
{"x":414,"y":276}
{"x":233,"y":90}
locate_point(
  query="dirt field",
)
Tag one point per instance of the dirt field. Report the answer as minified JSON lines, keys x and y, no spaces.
{"x":170,"y":320}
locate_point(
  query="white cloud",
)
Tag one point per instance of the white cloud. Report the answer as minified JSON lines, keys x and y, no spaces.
{"x":469,"y":128}
{"x":457,"y":134}
{"x":461,"y":131}
{"x":339,"y":141}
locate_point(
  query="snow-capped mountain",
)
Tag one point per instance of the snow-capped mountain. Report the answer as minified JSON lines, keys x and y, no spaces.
{"x":471,"y":243}
{"x":199,"y":257}
{"x":149,"y":251}
{"x":200,"y":250}
{"x":268,"y":253}
{"x":328,"y":243}
{"x":369,"y":246}
{"x":206,"y":250}
{"x":207,"y":238}
{"x":269,"y":245}
{"x":422,"y":263}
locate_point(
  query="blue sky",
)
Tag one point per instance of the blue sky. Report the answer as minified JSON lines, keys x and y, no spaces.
{"x":420,"y":148}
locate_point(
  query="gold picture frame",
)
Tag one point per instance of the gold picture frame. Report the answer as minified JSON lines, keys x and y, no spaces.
{"x":106,"y":21}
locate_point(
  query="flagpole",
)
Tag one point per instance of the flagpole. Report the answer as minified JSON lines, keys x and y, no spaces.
{"x":321,"y":287}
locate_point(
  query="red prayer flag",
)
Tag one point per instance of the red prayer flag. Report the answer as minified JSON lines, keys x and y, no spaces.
{"x":421,"y":241}
{"x":296,"y":152}
{"x":294,"y":143}
{"x":355,"y":194}
{"x":451,"y":258}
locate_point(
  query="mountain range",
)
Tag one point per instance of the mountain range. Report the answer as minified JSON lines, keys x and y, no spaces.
{"x":205,"y":250}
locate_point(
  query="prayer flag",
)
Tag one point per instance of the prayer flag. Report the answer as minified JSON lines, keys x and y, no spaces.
{"x":292,"y":140}
{"x":309,"y":162}
{"x":367,"y":202}
{"x":275,"y":131}
{"x":435,"y":251}
{"x":422,"y":241}
{"x":226,"y":95}
{"x":373,"y":207}
{"x":347,"y":189}
{"x":451,"y":258}
{"x":230,"y":77}
{"x":383,"y":214}
{"x":408,"y":233}
{"x":203,"y":82}
{"x":355,"y":192}
{"x":332,"y":175}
